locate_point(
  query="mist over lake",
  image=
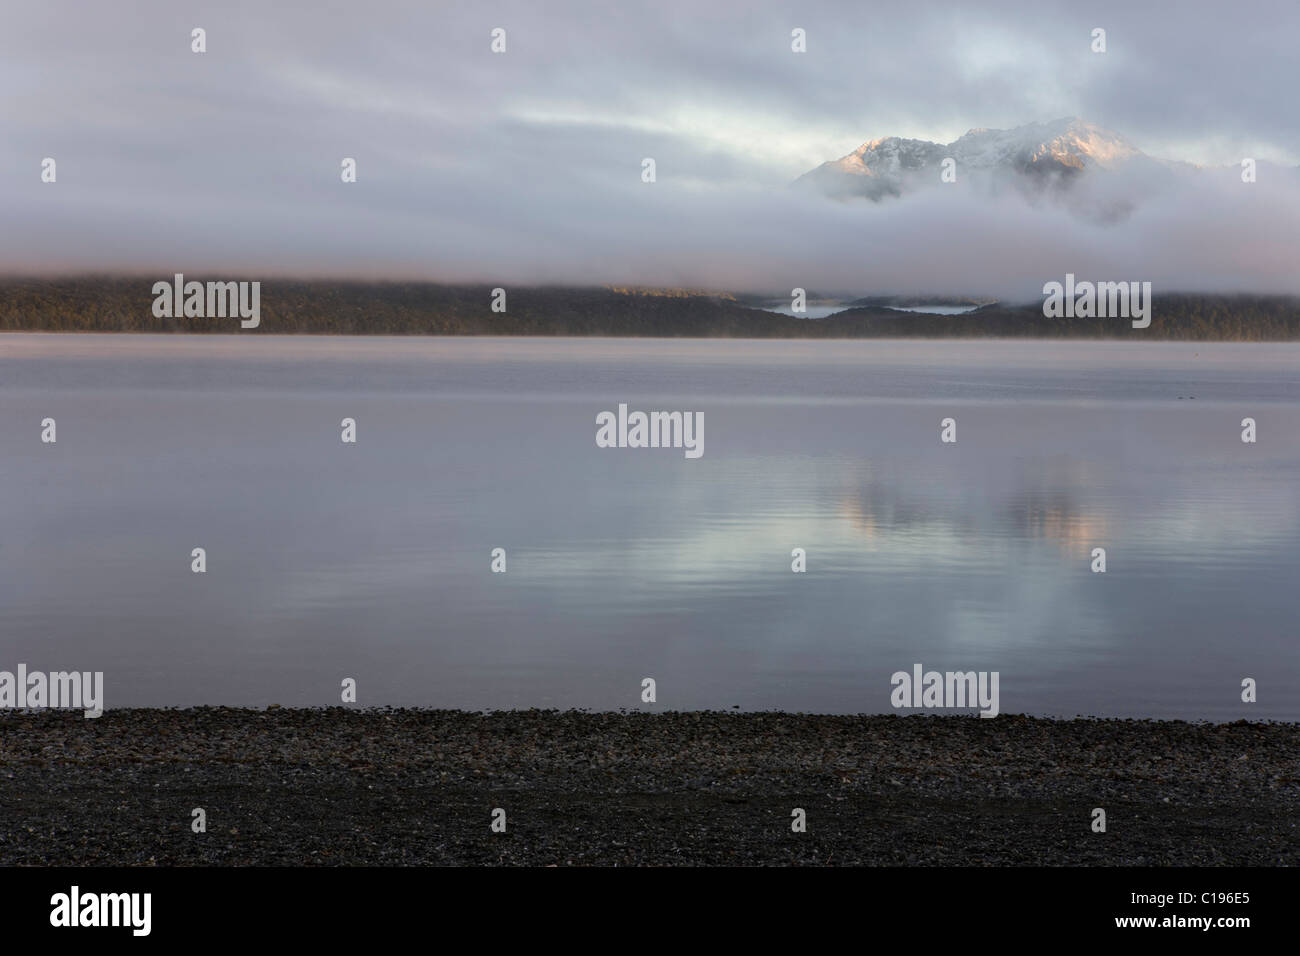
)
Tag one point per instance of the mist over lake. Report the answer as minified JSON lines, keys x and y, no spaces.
{"x":327,"y":560}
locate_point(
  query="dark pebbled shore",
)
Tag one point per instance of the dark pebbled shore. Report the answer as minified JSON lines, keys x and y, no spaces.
{"x":360,"y":787}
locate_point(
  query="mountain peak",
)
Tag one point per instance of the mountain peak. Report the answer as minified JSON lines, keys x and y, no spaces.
{"x":1060,"y":149}
{"x":1069,"y":142}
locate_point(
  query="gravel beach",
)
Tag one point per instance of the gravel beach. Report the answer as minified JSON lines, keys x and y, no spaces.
{"x":358,"y":787}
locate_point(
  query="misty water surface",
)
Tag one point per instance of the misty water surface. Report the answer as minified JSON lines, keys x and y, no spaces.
{"x":371,"y":561}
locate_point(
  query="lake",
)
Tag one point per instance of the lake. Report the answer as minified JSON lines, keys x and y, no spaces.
{"x":372,"y":560}
{"x":826,"y":311}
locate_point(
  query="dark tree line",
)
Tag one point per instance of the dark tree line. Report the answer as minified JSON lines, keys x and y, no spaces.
{"x":394,"y":308}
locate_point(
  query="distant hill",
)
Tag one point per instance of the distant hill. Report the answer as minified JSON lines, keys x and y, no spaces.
{"x":359,"y":308}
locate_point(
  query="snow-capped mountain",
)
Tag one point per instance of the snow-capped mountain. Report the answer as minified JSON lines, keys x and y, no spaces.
{"x":1037,"y":158}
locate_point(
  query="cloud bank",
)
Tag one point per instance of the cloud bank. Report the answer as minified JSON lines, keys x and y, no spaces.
{"x":526,"y":166}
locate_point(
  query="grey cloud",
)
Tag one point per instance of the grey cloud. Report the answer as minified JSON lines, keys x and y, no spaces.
{"x":525,"y":167}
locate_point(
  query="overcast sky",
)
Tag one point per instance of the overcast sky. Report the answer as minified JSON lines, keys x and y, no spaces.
{"x":526,"y":166}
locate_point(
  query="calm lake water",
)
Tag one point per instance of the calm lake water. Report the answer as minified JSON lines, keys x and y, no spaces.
{"x":825,"y":311}
{"x":371,"y":561}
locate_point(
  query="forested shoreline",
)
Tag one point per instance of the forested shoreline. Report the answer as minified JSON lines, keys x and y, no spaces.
{"x":397,"y":308}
